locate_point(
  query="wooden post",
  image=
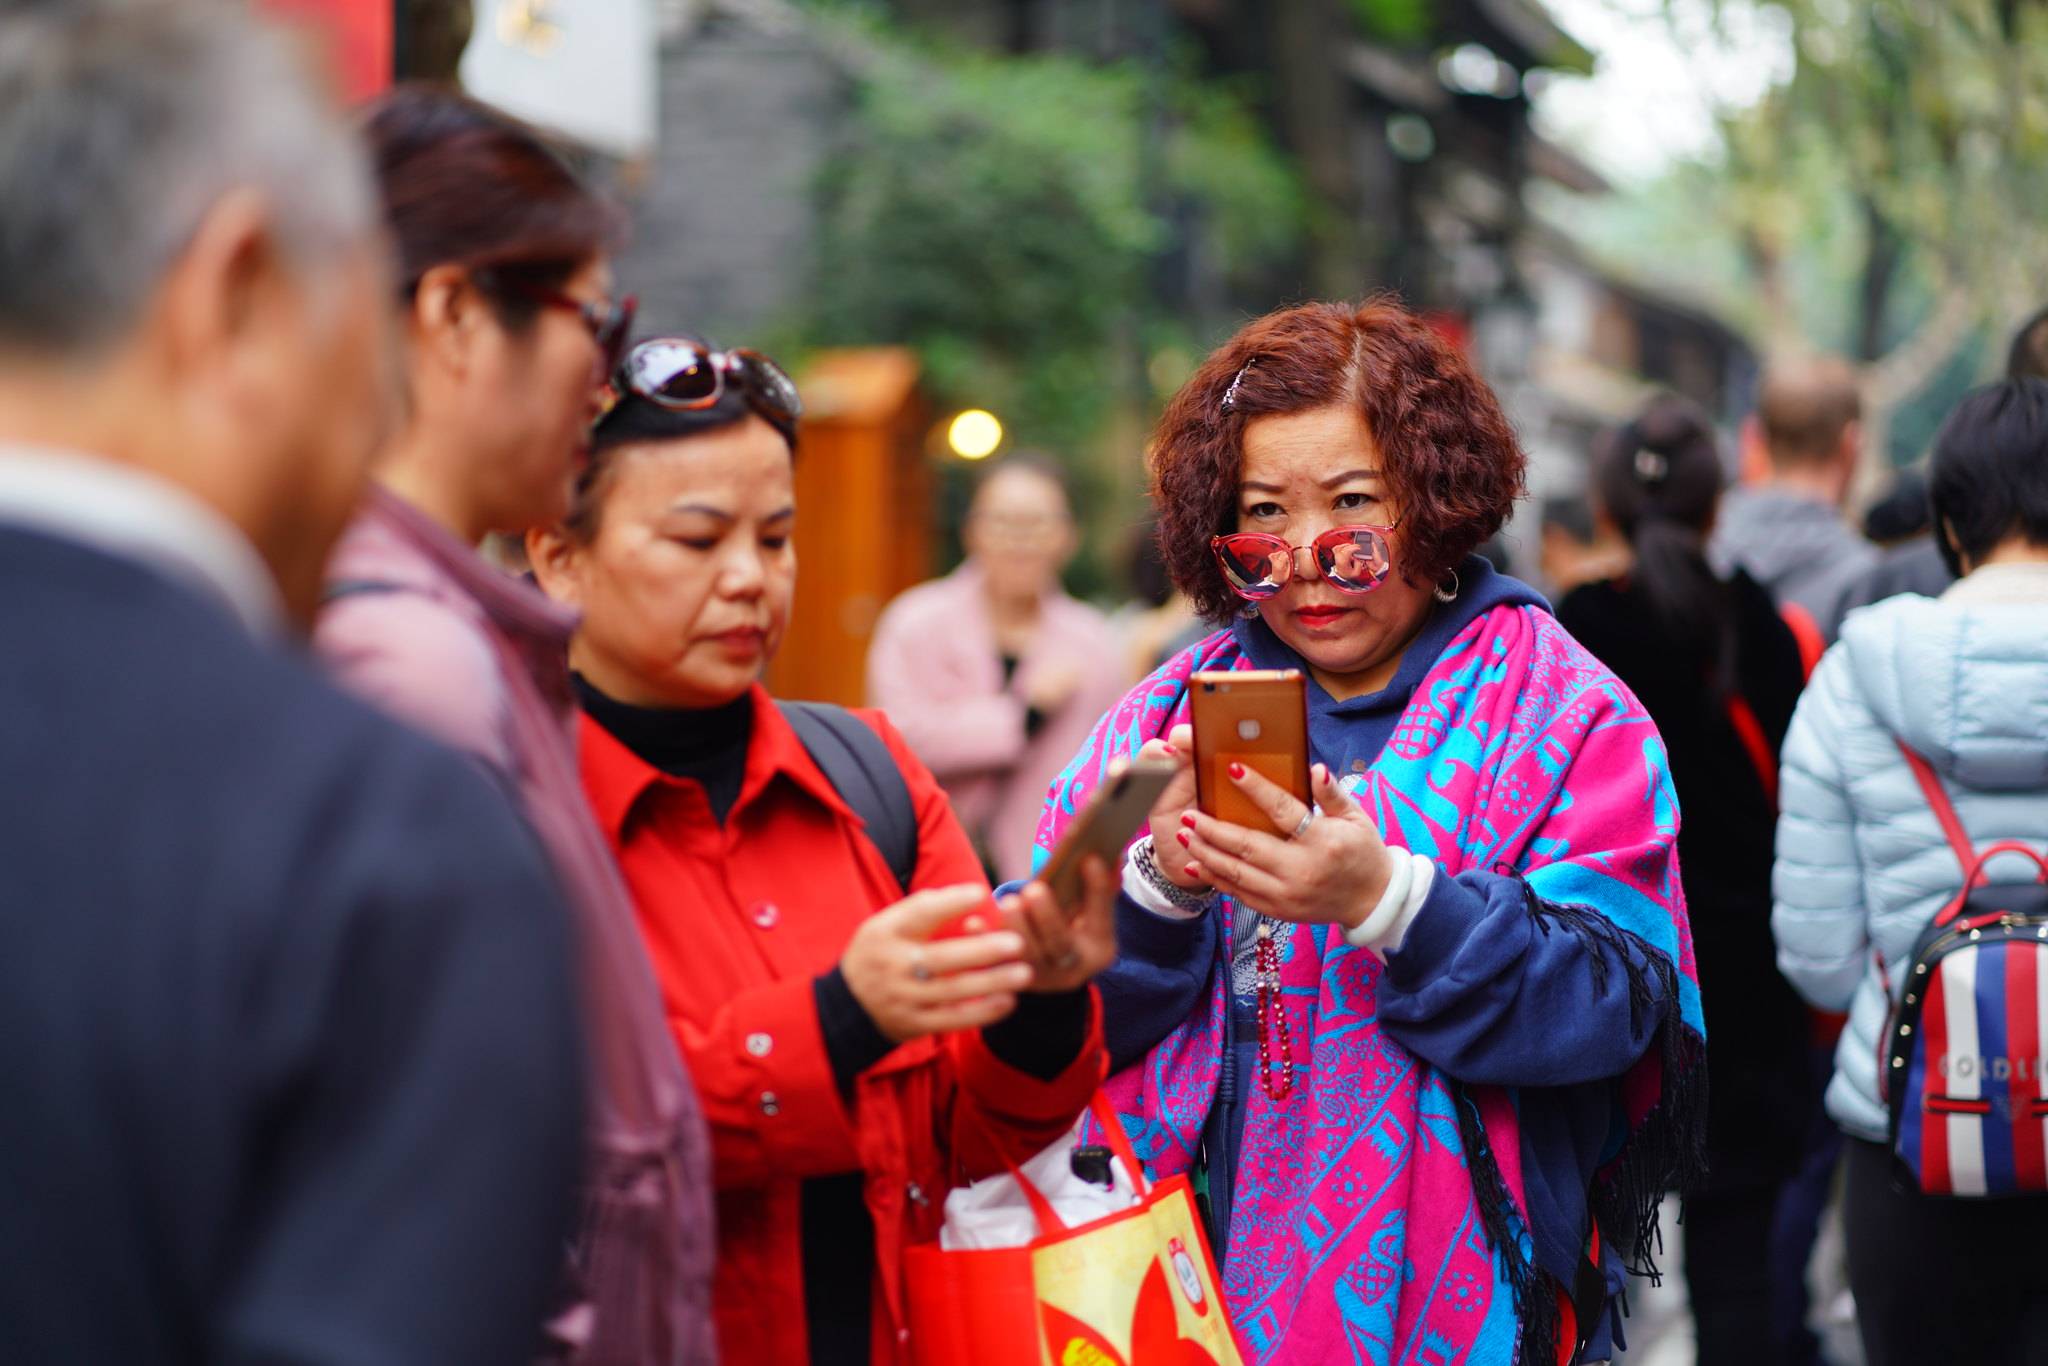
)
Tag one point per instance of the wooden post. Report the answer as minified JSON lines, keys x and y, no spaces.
{"x":864,"y":516}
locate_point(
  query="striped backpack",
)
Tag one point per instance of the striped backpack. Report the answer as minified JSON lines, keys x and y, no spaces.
{"x":1962,"y":1068}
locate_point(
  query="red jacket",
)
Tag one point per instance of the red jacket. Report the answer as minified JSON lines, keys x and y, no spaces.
{"x":739,"y":920}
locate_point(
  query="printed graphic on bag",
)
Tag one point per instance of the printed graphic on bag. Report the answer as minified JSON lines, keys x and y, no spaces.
{"x":1971,"y":1117}
{"x":1087,"y":1309}
{"x":1155,"y":1335}
{"x":1133,"y":1288}
{"x":1190,"y":1279}
{"x":1961,"y":1062}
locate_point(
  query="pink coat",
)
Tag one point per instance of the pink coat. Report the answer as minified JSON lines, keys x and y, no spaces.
{"x":419,"y":624}
{"x":933,"y":667}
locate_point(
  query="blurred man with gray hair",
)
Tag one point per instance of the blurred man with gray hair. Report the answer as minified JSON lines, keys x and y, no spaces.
{"x":1787,"y":530}
{"x":288,"y":1041}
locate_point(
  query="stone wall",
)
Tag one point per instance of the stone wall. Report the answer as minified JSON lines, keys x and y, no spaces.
{"x":723,"y":215}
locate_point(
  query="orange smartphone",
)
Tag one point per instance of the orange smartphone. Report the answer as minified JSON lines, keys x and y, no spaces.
{"x":1258,"y":718}
{"x":1114,"y":811}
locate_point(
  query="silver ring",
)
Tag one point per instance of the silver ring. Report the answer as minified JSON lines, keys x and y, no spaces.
{"x":919,"y":970}
{"x":1307,"y":818}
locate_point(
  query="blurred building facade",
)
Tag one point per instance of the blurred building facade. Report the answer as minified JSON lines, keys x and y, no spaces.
{"x":1600,"y":348}
{"x":1418,"y":138}
{"x":724,"y":211}
{"x":1409,"y":123}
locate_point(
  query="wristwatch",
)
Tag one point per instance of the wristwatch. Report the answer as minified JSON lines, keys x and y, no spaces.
{"x":1146,"y":859}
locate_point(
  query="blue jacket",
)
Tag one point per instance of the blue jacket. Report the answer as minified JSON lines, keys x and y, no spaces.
{"x":1862,"y":865}
{"x":289,"y":1047}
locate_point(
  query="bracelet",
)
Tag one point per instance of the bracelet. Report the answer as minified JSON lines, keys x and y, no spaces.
{"x":1400,"y":876}
{"x":1145,"y":856}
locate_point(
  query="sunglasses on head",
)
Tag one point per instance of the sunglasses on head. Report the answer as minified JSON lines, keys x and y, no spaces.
{"x":686,"y":376}
{"x":1352,"y":559}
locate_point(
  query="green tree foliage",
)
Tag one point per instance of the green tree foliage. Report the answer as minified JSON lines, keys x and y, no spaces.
{"x":1004,"y":216}
{"x":1885,"y":201}
{"x":1920,"y":131}
{"x":1930,"y":121}
{"x":1394,"y":21}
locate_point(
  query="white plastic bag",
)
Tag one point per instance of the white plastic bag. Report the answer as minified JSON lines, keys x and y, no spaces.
{"x":993,"y":1212}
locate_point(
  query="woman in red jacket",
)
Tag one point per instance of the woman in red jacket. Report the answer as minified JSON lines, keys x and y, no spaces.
{"x":854,"y":1059}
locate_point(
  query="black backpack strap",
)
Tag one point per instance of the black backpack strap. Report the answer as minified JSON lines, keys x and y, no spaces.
{"x":863,"y":771}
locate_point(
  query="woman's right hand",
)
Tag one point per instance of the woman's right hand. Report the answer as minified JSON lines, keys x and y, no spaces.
{"x":911,"y":987}
{"x":1178,"y":747}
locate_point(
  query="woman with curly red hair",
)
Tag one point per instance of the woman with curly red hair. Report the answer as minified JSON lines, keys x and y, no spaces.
{"x":1434,"y":1056}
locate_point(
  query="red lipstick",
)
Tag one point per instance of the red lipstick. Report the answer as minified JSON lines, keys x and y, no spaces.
{"x":1316,"y":618}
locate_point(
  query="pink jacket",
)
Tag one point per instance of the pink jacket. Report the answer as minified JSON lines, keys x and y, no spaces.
{"x":420,"y":624}
{"x":934,"y":668}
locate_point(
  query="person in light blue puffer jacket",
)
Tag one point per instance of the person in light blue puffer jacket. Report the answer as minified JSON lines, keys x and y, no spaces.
{"x":1862,"y":865}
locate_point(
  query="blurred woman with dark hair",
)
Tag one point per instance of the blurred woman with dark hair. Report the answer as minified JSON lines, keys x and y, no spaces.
{"x":1719,"y":672}
{"x":1928,"y":703}
{"x":1422,"y":1045}
{"x":509,"y":319}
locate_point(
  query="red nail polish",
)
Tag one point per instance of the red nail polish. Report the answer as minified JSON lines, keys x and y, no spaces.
{"x":1182,"y":836}
{"x":1237,"y":770}
{"x":1171,"y":750}
{"x":1192,"y":870}
{"x":1187,"y":818}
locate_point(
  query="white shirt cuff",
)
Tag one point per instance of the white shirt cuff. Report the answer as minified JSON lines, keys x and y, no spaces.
{"x":1139,"y":888}
{"x":1383,"y":930}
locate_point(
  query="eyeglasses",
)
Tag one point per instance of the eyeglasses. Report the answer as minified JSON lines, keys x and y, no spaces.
{"x":687,"y":376}
{"x":610,"y":321}
{"x":1353,"y":559}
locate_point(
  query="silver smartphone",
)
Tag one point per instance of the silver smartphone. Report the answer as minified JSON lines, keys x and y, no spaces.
{"x":1120,"y":805}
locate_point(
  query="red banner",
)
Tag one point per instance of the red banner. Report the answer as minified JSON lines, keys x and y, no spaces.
{"x":359,"y":33}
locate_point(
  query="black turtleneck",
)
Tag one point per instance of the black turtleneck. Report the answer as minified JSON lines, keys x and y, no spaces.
{"x":708,"y":746}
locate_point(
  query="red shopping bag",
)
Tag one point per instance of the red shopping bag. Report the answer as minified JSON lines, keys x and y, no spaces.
{"x":1136,"y":1288}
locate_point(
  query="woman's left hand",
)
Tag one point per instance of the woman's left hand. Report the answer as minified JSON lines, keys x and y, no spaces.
{"x":1066,"y":946}
{"x":1332,"y":873}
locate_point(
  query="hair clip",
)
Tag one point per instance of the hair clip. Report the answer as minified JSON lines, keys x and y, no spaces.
{"x":1651,"y":467}
{"x":1230,"y":394}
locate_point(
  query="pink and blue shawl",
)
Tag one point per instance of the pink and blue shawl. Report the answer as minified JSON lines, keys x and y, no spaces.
{"x":1380,"y":1213}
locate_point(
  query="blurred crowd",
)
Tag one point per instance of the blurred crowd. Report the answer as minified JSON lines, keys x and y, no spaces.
{"x":1836,"y":686}
{"x":412,"y":959}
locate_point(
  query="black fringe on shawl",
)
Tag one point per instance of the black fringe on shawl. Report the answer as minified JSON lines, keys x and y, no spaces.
{"x":1667,"y":1151}
{"x":1534,"y":1293}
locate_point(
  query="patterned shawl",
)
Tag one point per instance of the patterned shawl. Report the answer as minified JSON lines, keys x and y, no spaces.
{"x":1380,"y":1214}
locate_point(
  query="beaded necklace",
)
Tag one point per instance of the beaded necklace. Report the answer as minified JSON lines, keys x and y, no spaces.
{"x":1266,"y":965}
